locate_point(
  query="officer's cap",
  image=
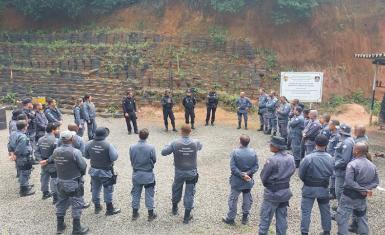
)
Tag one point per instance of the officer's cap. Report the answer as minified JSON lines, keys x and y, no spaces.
{"x":101,"y":133}
{"x":321,"y":140}
{"x":26,"y":101}
{"x":278,"y":142}
{"x":345,"y":130}
{"x":67,"y":135}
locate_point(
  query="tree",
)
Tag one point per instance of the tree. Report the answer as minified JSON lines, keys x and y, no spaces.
{"x":227,"y":6}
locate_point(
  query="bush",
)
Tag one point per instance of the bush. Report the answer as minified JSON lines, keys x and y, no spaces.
{"x":227,"y":6}
{"x":10,"y":98}
{"x":286,"y":10}
{"x":218,"y":35}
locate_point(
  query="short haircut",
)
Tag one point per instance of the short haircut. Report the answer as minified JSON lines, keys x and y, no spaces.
{"x":244,"y":140}
{"x":87,"y":97}
{"x":306,"y":111}
{"x":51,"y":127}
{"x":298,"y":109}
{"x":21,"y":124}
{"x":186,"y":129}
{"x":50,"y":101}
{"x":22,"y":117}
{"x":326,"y":117}
{"x":143,"y":134}
{"x":72,"y":127}
{"x":335,"y":122}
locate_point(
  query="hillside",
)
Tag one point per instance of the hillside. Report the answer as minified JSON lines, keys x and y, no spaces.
{"x":326,"y":42}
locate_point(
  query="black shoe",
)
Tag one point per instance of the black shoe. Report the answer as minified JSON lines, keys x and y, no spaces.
{"x":260,"y":128}
{"x":228,"y":221}
{"x":166,"y":129}
{"x":304,"y":233}
{"x":268,"y":132}
{"x":46,"y":195}
{"x":238,"y":127}
{"x":135,"y":214}
{"x":136,"y":132}
{"x":245,"y":219}
{"x":192,"y":127}
{"x":206,"y":124}
{"x":54,"y":198}
{"x":325,"y":233}
{"x":26,"y":191}
{"x":98,"y":208}
{"x":111,"y":210}
{"x":86,"y":205}
{"x":174,"y":130}
{"x":212,"y":124}
{"x":129,"y":133}
{"x":151,"y":215}
{"x":187,"y":216}
{"x":175,"y":209}
{"x":61,"y":226}
{"x":78,"y":228}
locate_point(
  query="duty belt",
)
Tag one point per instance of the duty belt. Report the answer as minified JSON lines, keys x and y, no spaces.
{"x":316,"y":183}
{"x":103,"y":168}
{"x":274,"y":187}
{"x":353,"y":194}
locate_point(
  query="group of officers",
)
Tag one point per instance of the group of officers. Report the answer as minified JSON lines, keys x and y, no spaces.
{"x":332,"y":164}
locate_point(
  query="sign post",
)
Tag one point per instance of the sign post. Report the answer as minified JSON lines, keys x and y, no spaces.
{"x":305,"y":86}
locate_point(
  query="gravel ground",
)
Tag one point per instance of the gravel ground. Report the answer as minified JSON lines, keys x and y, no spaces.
{"x":31,"y":215}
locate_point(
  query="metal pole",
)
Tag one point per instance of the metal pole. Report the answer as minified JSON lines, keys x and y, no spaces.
{"x":373,"y":94}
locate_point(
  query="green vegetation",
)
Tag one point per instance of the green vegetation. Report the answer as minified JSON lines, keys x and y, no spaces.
{"x":287,"y":10}
{"x":10,"y":98}
{"x":218,"y":35}
{"x":227,"y":6}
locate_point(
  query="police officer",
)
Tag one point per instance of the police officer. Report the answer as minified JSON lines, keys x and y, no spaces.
{"x":315,"y":171}
{"x":296,"y":126}
{"x":70,"y":167}
{"x":52,"y":112}
{"x":243,"y":106}
{"x":312,"y":129}
{"x":79,"y":116}
{"x":331,"y":149}
{"x":28,"y":111}
{"x":143,"y":159}
{"x":243,"y":165}
{"x":90,"y":116}
{"x":129,"y":110}
{"x":360,"y":134}
{"x":20,"y":150}
{"x":185,"y":152}
{"x":45,"y":147}
{"x":102,"y":155}
{"x":167,"y":104}
{"x":212,"y":104}
{"x":271,"y":118}
{"x":275,"y":176}
{"x":283,"y":111}
{"x":305,"y":114}
{"x":324,"y":121}
{"x":361,"y":178}
{"x":77,"y":141}
{"x":12,"y":123}
{"x":343,"y":155}
{"x":262,"y":107}
{"x":41,"y":121}
{"x":189,"y":103}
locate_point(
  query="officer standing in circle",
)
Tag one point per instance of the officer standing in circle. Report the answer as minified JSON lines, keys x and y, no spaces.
{"x":361,"y":178}
{"x":243,"y":165}
{"x":185,"y":152}
{"x":296,"y":126}
{"x":315,"y":171}
{"x":167,"y":104}
{"x":143,"y":159}
{"x":52,"y":112}
{"x":212,"y":104}
{"x":262,"y":107}
{"x":90,"y":116}
{"x":283,"y":110}
{"x":20,"y":151}
{"x":129,"y":110}
{"x":79,"y":117}
{"x":312,"y":129}
{"x":102,"y":156}
{"x":331,"y":149}
{"x":270,"y":117}
{"x":45,"y":147}
{"x":31,"y":127}
{"x":243,"y":105}
{"x":70,"y":167}
{"x":189,"y":103}
{"x":275,"y":176}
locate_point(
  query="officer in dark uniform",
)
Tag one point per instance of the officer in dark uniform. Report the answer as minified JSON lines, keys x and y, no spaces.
{"x":102,"y":155}
{"x":312,"y":129}
{"x":212,"y":104}
{"x":262,"y":100}
{"x":243,"y":105}
{"x":167,"y":104}
{"x":296,"y":126}
{"x":89,"y":112}
{"x":189,"y":103}
{"x":52,"y":112}
{"x":324,"y":121}
{"x":282,"y":112}
{"x":129,"y":110}
{"x":45,"y":147}
{"x":143,"y":159}
{"x":275,"y":176}
{"x":20,"y":150}
{"x":331,"y":149}
{"x":315,"y":171}
{"x":185,"y":152}
{"x":41,"y":121}
{"x":70,"y":167}
{"x":243,"y":165}
{"x":361,"y":178}
{"x":31,"y":119}
{"x":79,"y":117}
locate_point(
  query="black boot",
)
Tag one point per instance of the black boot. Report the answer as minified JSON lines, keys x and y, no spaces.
{"x":78,"y":228}
{"x":260,"y":128}
{"x":174,"y":129}
{"x":135,"y":214}
{"x":166,"y":128}
{"x":98,"y":208}
{"x":187,"y":216}
{"x":245,"y":219}
{"x":245,"y":125}
{"x":239,"y":125}
{"x":207,"y":123}
{"x":61,"y":226}
{"x":111,"y":210}
{"x":46,"y":195}
{"x":228,"y":221}
{"x":212,"y":123}
{"x":175,"y":208}
{"x":192,"y":126}
{"x":26,"y":191}
{"x":151,"y":215}
{"x":268,"y":132}
{"x":54,"y":198}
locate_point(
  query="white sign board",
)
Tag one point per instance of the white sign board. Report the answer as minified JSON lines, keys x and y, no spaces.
{"x":305,"y":86}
